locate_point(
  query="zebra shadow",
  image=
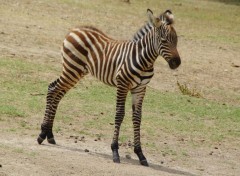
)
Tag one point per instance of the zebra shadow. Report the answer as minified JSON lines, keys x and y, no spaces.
{"x":123,"y":160}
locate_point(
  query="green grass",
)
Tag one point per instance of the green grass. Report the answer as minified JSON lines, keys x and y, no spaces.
{"x":90,"y":107}
{"x":11,"y":111}
{"x":172,"y":113}
{"x":193,"y":117}
{"x":18,"y":150}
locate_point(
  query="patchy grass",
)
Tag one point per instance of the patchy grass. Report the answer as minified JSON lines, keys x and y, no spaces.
{"x":89,"y":109}
{"x":11,"y":111}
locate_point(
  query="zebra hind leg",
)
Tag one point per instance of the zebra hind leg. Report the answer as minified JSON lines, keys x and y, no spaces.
{"x":55,"y":94}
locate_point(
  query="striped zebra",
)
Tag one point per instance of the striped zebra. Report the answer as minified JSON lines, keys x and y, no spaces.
{"x":126,"y":65}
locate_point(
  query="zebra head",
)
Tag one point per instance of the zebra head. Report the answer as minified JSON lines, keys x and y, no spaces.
{"x":165,"y":37}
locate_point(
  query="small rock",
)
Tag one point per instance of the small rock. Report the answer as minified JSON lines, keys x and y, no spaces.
{"x":234,"y":65}
{"x":222,"y":48}
{"x":127,"y":1}
{"x":178,"y":4}
{"x":211,"y":153}
{"x":124,"y":144}
{"x":98,"y":137}
{"x":82,"y":138}
{"x":129,"y":143}
{"x":162,"y":162}
{"x":0,"y":165}
{"x":215,"y":147}
{"x":75,"y":141}
{"x":201,"y":169}
{"x":181,"y":139}
{"x":128,"y":156}
{"x":86,"y":150}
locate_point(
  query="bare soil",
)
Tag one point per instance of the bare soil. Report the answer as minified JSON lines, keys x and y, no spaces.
{"x":29,"y":30}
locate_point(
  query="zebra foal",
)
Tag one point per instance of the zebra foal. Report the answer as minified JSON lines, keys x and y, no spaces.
{"x":126,"y":65}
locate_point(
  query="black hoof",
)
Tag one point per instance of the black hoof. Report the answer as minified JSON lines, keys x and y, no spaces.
{"x":116,"y":160}
{"x":40,"y":140}
{"x":116,"y":157}
{"x":51,"y":141}
{"x":142,"y":159}
{"x":46,"y":133}
{"x":144,"y":163}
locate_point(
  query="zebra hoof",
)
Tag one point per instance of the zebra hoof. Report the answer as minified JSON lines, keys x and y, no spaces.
{"x":116,"y":160}
{"x":51,"y":141}
{"x":116,"y":157}
{"x":144,"y":163}
{"x":40,"y":140}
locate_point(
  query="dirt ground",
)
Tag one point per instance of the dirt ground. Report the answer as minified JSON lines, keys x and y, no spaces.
{"x":25,"y":32}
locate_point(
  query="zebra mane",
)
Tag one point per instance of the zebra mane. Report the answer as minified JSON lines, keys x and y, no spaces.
{"x":142,"y":32}
{"x":94,"y":29}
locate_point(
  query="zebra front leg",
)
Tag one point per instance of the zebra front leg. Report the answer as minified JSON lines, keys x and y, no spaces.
{"x":120,"y":112}
{"x":137,"y":99}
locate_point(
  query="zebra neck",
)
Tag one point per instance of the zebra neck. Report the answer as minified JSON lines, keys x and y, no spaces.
{"x":147,"y":50}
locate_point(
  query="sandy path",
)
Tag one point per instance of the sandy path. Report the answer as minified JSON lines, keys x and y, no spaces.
{"x":26,"y":157}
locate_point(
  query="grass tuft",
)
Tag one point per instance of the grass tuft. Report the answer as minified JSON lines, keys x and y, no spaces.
{"x":187,"y":91}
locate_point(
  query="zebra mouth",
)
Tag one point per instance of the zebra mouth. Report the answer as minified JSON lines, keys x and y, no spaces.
{"x":174,"y":62}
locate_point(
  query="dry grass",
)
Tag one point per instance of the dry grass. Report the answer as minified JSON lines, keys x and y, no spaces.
{"x":185,"y":90}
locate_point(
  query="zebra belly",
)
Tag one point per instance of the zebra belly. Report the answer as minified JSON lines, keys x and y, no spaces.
{"x":103,"y":71}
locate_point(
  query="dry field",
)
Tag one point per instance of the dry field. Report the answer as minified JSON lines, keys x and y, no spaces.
{"x":192,"y":136}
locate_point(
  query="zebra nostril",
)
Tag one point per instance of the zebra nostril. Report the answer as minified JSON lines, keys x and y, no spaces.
{"x":174,"y":62}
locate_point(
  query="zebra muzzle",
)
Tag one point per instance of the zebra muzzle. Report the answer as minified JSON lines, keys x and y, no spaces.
{"x":174,"y":62}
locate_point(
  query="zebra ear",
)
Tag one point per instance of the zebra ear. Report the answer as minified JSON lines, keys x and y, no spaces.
{"x":169,"y":17}
{"x":152,"y":19}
